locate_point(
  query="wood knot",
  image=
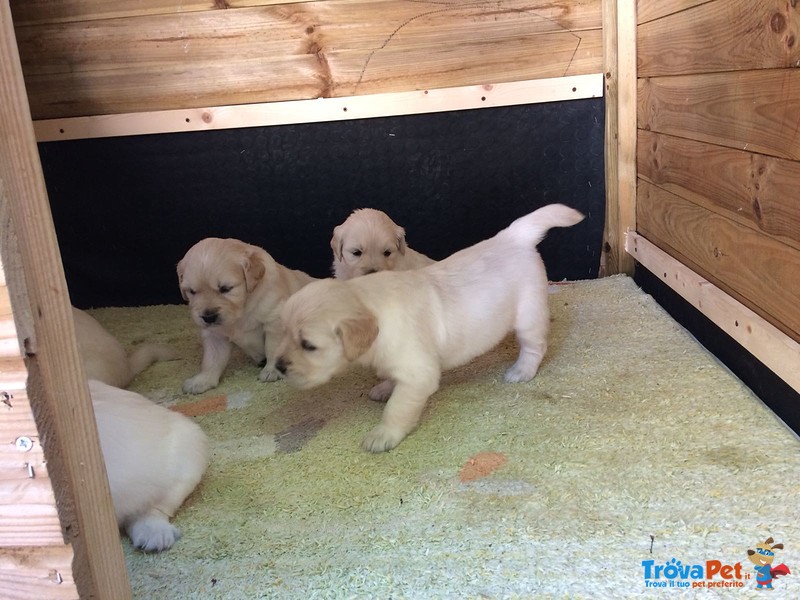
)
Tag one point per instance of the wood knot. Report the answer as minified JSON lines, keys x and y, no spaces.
{"x":757,"y":208}
{"x":777,"y":23}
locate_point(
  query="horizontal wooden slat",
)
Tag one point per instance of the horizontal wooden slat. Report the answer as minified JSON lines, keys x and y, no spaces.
{"x":37,"y":573}
{"x":769,"y":345}
{"x":301,"y":51}
{"x":647,"y":10}
{"x":758,"y":271}
{"x":748,"y":34}
{"x":749,"y":110}
{"x":752,"y":189}
{"x":323,"y":109}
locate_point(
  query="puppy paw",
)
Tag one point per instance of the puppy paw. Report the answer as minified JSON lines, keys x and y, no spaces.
{"x":270,"y":373}
{"x":199,"y":384}
{"x":382,"y":391}
{"x":383,"y":438}
{"x":153,"y":533}
{"x":518,"y":374}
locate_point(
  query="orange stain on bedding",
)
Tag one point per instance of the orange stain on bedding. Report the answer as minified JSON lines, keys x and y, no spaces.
{"x":205,"y":406}
{"x":481,"y":465}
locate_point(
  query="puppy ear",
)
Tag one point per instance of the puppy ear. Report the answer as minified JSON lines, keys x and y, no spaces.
{"x":180,"y":269}
{"x":337,"y":243}
{"x":357,"y":334}
{"x":254,"y":269}
{"x":400,"y":233}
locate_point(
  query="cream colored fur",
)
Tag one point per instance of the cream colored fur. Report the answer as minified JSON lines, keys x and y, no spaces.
{"x":369,"y":241}
{"x":154,"y":458}
{"x":106,"y":360}
{"x":411,"y":325}
{"x":235,"y":293}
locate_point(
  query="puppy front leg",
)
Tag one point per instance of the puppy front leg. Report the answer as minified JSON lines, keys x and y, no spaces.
{"x":400,"y":416}
{"x":271,"y":339}
{"x":216,"y":353}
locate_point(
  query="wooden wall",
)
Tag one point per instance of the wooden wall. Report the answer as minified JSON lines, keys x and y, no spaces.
{"x":718,"y":151}
{"x":93,"y":57}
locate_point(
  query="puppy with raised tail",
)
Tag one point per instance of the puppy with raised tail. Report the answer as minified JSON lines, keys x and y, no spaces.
{"x":154,"y":458}
{"x":369,"y":241}
{"x":411,"y":325}
{"x":235,"y":293}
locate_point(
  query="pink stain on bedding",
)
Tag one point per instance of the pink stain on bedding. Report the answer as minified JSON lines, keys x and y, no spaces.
{"x":481,"y":465}
{"x":205,"y":406}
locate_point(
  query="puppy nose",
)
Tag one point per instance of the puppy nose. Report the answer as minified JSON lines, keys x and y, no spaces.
{"x":209,"y":317}
{"x":281,"y":365}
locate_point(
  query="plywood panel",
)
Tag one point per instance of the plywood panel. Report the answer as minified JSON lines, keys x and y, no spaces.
{"x":647,"y":10}
{"x":37,"y":573}
{"x":747,"y":34}
{"x":755,"y":190}
{"x":301,"y":51}
{"x":758,"y":111}
{"x":755,"y":269}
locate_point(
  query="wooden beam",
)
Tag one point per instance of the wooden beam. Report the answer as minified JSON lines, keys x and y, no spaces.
{"x":56,"y":385}
{"x":777,"y":351}
{"x":619,"y":42}
{"x":322,"y":109}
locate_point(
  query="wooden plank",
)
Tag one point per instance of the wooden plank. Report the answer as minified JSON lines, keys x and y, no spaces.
{"x":777,"y":351}
{"x":758,"y":271}
{"x":323,"y":109}
{"x":754,"y":190}
{"x":56,"y":384}
{"x":648,"y":10}
{"x":303,"y":51}
{"x":619,"y":26}
{"x":748,"y":34}
{"x":37,"y":573}
{"x":757,"y":111}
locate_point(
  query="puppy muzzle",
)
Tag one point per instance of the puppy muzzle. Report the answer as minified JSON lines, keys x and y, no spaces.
{"x":210,"y":317}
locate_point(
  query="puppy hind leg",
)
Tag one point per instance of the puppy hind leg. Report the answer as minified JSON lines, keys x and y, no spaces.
{"x":400,"y":416}
{"x":152,"y":531}
{"x":531,"y":331}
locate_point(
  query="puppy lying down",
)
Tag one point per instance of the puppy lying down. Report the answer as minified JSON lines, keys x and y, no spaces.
{"x":154,"y":459}
{"x":369,"y":241}
{"x":104,"y":357}
{"x":411,"y":325}
{"x":235,"y":292}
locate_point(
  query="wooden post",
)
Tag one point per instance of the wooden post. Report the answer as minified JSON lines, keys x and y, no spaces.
{"x":56,"y":384}
{"x":619,"y":47}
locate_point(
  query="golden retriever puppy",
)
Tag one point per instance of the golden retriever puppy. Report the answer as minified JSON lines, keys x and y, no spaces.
{"x":369,"y":241}
{"x":104,"y":357}
{"x":411,"y":325}
{"x":154,"y":458}
{"x":235,"y":293}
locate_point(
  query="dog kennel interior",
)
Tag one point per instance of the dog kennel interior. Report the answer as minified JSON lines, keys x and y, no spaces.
{"x":131,"y":130}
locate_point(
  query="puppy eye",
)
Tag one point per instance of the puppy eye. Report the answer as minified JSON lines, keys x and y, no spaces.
{"x":224,"y":289}
{"x":387,"y":253}
{"x":356,"y":252}
{"x":191,"y":292}
{"x":307,"y":346}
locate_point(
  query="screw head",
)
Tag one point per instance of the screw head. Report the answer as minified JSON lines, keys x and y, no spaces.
{"x":24,"y":443}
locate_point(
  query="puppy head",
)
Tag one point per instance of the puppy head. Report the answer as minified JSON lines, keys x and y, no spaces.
{"x":216,"y":276}
{"x":325,"y":328}
{"x":367,"y":242}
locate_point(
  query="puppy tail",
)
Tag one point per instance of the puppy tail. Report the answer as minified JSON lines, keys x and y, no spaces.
{"x":145,"y":355}
{"x":531,"y":229}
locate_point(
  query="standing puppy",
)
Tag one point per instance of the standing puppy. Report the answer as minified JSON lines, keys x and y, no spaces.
{"x":369,"y":241}
{"x":235,"y":292}
{"x":411,"y":325}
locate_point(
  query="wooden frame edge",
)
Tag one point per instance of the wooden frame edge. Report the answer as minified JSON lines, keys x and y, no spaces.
{"x":767,"y":343}
{"x":322,"y":109}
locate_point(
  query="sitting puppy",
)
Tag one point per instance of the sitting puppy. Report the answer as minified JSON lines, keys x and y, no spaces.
{"x":235,"y":292}
{"x":369,"y":241}
{"x":154,"y":458}
{"x":104,"y":357}
{"x":411,"y":325}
